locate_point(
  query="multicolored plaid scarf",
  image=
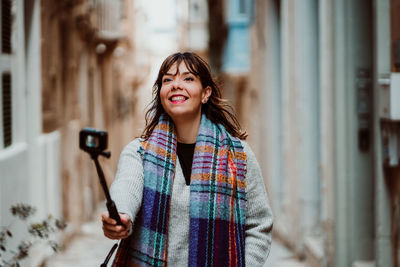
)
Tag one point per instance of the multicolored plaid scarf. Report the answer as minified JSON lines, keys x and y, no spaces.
{"x":217,"y":199}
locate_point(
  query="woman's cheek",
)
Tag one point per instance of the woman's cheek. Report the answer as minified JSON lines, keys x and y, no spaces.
{"x":163,"y":97}
{"x":163,"y":104}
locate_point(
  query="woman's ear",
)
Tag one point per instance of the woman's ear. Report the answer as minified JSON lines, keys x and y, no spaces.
{"x":206,"y":94}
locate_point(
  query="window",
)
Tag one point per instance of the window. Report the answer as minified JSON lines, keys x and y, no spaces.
{"x":7,"y":107}
{"x":395,"y":35}
{"x":242,"y":7}
{"x":6,"y":26}
{"x":240,"y":10}
{"x":5,"y":72}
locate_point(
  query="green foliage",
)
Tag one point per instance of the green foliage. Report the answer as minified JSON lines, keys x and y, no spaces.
{"x":37,"y":232}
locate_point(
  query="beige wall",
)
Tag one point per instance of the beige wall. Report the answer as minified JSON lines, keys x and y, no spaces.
{"x":89,"y":79}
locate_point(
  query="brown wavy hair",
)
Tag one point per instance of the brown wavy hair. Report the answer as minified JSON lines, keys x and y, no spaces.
{"x":216,"y":109}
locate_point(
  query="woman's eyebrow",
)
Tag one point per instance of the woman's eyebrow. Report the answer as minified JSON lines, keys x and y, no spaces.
{"x":170,"y":74}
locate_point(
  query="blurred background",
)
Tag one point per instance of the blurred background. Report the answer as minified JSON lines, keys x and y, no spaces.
{"x":315,"y":83}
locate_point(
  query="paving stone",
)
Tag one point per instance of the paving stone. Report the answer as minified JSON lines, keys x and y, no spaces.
{"x":86,"y":250}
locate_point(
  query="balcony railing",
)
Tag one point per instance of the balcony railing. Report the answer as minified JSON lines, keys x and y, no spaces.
{"x":108,"y":16}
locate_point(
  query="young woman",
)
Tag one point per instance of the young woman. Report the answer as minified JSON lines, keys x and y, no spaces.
{"x":189,"y":191}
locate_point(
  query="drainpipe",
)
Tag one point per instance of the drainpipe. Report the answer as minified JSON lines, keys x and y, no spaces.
{"x":327,"y":125}
{"x":383,"y":249}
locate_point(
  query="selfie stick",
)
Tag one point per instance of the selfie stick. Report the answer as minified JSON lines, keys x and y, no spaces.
{"x":112,"y":209}
{"x":104,"y":264}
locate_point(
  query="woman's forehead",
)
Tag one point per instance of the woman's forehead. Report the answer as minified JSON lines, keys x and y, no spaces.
{"x":178,"y":68}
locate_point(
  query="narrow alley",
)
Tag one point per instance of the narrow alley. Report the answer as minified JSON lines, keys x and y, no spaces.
{"x":315,"y":85}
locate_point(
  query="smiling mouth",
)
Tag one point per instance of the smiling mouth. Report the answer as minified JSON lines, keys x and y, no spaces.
{"x":177,"y":99}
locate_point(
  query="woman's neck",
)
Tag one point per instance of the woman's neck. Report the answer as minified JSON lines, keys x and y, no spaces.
{"x":187,"y":130}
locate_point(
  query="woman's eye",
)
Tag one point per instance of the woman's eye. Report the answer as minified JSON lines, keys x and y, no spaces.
{"x":189,"y":79}
{"x":166,"y":80}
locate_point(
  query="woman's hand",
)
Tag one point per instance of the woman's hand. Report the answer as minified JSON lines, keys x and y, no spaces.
{"x":114,"y":231}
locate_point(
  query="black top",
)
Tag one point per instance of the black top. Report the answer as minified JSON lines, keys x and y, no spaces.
{"x":185,"y":154}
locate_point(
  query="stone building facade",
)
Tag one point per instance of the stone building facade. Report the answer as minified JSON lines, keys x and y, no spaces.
{"x":88,"y":80}
{"x":322,"y":84}
{"x":66,"y":65}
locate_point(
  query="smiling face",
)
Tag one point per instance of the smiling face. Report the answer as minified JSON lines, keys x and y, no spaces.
{"x":182,"y":93}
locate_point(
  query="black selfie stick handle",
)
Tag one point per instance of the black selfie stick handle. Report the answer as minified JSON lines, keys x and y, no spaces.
{"x":112,"y":209}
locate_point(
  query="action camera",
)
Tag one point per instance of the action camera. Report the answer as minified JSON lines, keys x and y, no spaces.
{"x":92,"y":141}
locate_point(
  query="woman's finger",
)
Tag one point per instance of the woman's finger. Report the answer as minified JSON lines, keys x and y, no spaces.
{"x":105,"y":217}
{"x":114,"y":228}
{"x":115,"y":235}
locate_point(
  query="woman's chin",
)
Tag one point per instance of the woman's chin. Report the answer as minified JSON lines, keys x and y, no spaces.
{"x":187,"y":116}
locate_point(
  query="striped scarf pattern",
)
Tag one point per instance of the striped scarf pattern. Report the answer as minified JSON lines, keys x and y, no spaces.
{"x":217,"y":198}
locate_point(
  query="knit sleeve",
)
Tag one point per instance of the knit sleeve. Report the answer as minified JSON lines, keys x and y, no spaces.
{"x":259,"y":218}
{"x":127,"y":188}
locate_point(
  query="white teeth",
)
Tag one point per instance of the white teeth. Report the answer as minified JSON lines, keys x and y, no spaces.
{"x":178,"y":98}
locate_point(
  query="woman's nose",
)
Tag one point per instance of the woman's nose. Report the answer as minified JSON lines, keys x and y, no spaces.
{"x":176,"y":84}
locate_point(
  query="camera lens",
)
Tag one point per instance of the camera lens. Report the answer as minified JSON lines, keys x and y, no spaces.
{"x":92,"y":141}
